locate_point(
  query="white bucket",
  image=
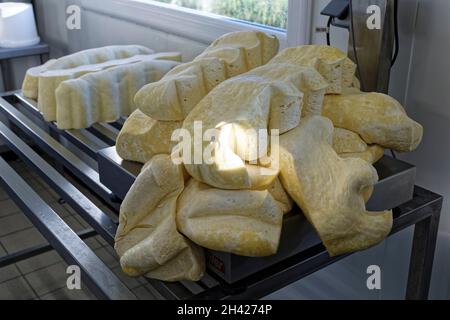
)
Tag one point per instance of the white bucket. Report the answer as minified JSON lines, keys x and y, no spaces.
{"x":17,"y":25}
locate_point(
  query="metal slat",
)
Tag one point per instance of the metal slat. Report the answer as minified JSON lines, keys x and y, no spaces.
{"x":38,"y":250}
{"x":105,"y":132}
{"x":119,"y":123}
{"x":169,"y":290}
{"x":99,"y":278}
{"x":85,"y":141}
{"x":30,"y":104}
{"x":82,"y":139}
{"x":101,"y":222}
{"x":73,"y":163}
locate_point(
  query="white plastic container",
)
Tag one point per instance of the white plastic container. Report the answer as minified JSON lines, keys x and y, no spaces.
{"x":17,"y":25}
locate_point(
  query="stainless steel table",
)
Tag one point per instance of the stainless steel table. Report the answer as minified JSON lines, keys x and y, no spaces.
{"x":423,"y":212}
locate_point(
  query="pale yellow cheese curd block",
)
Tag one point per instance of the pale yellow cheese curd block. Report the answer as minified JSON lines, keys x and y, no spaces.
{"x":259,"y":48}
{"x":141,"y":137}
{"x":50,"y":80}
{"x":31,"y":81}
{"x":174,"y":96}
{"x":333,"y":64}
{"x":242,"y":222}
{"x":99,"y":55}
{"x":346,"y":141}
{"x":280,"y":195}
{"x":377,"y":118}
{"x":372,"y":154}
{"x":305,"y":80}
{"x":331,"y":190}
{"x":106,"y":95}
{"x":269,"y":97}
{"x":349,"y":144}
{"x":87,"y":57}
{"x":181,"y":90}
{"x":147,"y":239}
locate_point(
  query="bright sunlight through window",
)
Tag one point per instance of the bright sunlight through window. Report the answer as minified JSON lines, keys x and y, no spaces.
{"x":267,"y":12}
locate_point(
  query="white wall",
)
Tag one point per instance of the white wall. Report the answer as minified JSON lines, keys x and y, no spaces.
{"x":428,"y":101}
{"x":421,"y":81}
{"x":422,"y":88}
{"x":100,"y":29}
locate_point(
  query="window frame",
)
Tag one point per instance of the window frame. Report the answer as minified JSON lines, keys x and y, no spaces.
{"x":202,"y":26}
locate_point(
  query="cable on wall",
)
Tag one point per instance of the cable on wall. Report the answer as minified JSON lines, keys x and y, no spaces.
{"x":397,"y":38}
{"x":330,"y":20}
{"x":355,"y":53}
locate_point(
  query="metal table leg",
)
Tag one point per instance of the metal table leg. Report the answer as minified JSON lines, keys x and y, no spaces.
{"x":422,"y":255}
{"x":5,"y":73}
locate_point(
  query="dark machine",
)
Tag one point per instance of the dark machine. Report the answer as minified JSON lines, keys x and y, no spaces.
{"x":373,"y":41}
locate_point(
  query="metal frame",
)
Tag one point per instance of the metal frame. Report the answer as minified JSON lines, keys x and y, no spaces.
{"x":99,"y":278}
{"x":6,"y":54}
{"x":423,"y":212}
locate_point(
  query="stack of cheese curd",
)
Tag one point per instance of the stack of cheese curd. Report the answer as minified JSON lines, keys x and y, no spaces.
{"x":95,"y":85}
{"x":330,"y":133}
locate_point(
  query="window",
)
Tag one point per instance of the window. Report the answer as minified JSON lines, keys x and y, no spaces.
{"x":271,"y":13}
{"x":206,"y":20}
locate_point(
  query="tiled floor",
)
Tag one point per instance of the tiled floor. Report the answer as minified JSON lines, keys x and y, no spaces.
{"x":44,"y":276}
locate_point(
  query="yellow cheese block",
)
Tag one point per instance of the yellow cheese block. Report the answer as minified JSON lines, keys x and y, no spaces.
{"x":49,"y":81}
{"x":147,"y":239}
{"x":330,"y":190}
{"x":243,"y":222}
{"x":141,"y":137}
{"x":99,"y":55}
{"x":86,"y":57}
{"x":372,"y":154}
{"x":241,"y":110}
{"x":333,"y":64}
{"x":280,"y":195}
{"x":106,"y":95}
{"x":349,"y":144}
{"x":31,"y":81}
{"x":181,"y":90}
{"x":377,"y":118}
{"x":346,"y":141}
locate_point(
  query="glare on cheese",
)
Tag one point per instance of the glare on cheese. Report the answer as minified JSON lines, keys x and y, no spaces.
{"x":267,"y":98}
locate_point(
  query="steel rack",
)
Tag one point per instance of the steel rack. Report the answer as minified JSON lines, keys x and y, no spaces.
{"x":75,"y":153}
